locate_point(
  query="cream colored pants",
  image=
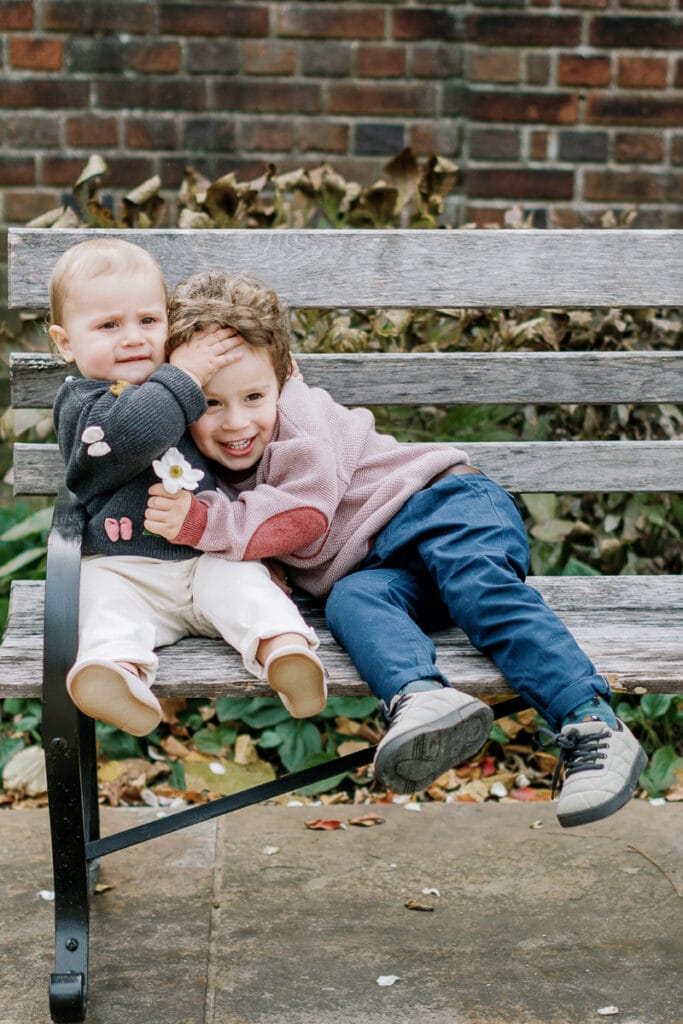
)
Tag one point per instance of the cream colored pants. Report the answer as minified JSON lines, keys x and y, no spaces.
{"x":129,"y":605}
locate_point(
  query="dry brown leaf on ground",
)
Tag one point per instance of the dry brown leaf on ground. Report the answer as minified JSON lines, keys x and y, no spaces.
{"x":323,"y":825}
{"x":367,"y":820}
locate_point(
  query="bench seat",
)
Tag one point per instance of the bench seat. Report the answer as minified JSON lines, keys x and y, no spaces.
{"x":630,"y":626}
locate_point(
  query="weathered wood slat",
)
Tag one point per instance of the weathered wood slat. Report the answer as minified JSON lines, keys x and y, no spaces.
{"x":632,"y":627}
{"x":570,"y":467}
{"x":322,"y":268}
{"x":441,"y":378}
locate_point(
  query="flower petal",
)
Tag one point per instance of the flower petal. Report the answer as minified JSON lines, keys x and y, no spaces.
{"x":98,"y":448}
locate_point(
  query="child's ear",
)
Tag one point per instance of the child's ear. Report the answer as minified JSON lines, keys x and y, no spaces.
{"x":61,"y":342}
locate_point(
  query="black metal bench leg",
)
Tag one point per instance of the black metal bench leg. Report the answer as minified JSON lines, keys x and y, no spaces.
{"x":69,"y":744}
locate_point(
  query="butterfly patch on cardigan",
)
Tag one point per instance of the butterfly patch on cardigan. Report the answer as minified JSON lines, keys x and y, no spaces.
{"x":118,"y":529}
{"x":94,"y":438}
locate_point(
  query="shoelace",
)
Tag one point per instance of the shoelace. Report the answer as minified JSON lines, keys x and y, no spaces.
{"x":390,"y":712}
{"x":578,"y":753}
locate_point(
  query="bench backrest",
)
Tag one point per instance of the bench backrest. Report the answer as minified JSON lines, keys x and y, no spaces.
{"x":427,"y":269}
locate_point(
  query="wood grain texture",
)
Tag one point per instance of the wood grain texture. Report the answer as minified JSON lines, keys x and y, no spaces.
{"x":632,"y":628}
{"x":403,"y":268}
{"x":470,"y":378}
{"x":571,"y":467}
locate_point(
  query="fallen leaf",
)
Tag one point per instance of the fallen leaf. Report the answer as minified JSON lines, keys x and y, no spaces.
{"x":608,"y":1011}
{"x":245,"y":750}
{"x":271,"y":850}
{"x":201,"y":775}
{"x":352,"y":747}
{"x":174,"y":748}
{"x":536,"y":824}
{"x":414,"y":905}
{"x":103,"y":887}
{"x":322,"y":825}
{"x":529,"y":794}
{"x":367,"y":820}
{"x":431,"y":892}
{"x":488,"y":766}
{"x":387,"y":979}
{"x":25,"y":772}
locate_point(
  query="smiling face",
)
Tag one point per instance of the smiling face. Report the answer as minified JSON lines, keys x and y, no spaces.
{"x":242,"y":412}
{"x":114,"y":325}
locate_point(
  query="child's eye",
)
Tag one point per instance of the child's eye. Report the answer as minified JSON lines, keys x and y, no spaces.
{"x":212,"y":403}
{"x":108,"y":325}
{"x":255,"y":396}
{"x":149,"y":319}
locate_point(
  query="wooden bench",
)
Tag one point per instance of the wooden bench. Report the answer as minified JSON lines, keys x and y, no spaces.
{"x":632,"y":627}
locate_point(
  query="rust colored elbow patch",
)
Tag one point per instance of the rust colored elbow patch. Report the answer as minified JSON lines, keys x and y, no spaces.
{"x":287,"y":532}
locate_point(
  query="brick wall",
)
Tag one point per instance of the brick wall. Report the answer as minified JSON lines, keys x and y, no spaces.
{"x":566,"y":107}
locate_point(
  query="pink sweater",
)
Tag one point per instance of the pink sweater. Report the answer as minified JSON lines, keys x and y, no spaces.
{"x":326,"y":485}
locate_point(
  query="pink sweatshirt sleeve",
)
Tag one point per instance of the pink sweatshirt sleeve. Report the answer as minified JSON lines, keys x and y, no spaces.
{"x":289,"y":513}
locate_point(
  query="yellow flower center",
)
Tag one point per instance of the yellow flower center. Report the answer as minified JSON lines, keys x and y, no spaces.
{"x":176,"y":471}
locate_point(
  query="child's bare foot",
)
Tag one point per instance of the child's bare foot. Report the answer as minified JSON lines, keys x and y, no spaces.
{"x":113,"y":692}
{"x":296,"y":674}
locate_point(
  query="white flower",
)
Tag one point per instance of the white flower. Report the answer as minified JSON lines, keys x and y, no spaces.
{"x":92,"y":433}
{"x":176,"y":473}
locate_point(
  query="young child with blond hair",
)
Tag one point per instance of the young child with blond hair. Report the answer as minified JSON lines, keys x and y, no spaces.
{"x":122,"y":424}
{"x":401,"y":540}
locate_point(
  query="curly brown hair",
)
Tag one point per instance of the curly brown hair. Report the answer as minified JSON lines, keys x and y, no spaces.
{"x":256,"y":312}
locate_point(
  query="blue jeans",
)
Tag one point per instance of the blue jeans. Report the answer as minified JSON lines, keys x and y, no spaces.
{"x":457,"y":553}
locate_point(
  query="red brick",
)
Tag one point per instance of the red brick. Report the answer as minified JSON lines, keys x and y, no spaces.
{"x":537,"y":69}
{"x":381,"y":61}
{"x":643,"y":72}
{"x":494,"y":66}
{"x":35,"y":54}
{"x":268,"y":57}
{"x":538,"y":145}
{"x":315,"y":135}
{"x":90,"y":131}
{"x":638,"y":32}
{"x":677,"y":149}
{"x":267,"y":135}
{"x":17,"y":170}
{"x":21,"y":207}
{"x":427,"y":23}
{"x":645,"y":5}
{"x":535,"y":108}
{"x":388,"y":100}
{"x":86,"y":16}
{"x":217,"y":19}
{"x":638,"y":148}
{"x":15,"y":15}
{"x":151,"y":133}
{"x":594,"y":5}
{"x":153,"y":57}
{"x":484,"y":216}
{"x":514,"y":183}
{"x":32,"y":132}
{"x":524,"y":30}
{"x":574,"y":70}
{"x":440,"y":138}
{"x":603,"y":108}
{"x":334,"y":22}
{"x":151,"y":93}
{"x":278,"y":97}
{"x":624,"y":186}
{"x":44,"y":92}
{"x":442,"y":60}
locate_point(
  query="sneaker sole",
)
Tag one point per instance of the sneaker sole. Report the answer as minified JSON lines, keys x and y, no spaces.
{"x":418,"y":757}
{"x":615,"y":803}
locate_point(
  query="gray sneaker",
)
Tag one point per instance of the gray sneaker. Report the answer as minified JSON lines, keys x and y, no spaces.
{"x":429,"y":732}
{"x":602,"y":766}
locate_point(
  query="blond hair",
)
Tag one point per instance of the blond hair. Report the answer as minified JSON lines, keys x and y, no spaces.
{"x":90,"y":259}
{"x":256,"y":312}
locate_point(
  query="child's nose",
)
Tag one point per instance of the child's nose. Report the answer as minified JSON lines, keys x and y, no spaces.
{"x":132,"y":335}
{"x":234,"y":418}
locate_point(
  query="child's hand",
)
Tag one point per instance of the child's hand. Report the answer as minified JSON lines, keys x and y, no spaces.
{"x":166,"y":513}
{"x":207,"y":352}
